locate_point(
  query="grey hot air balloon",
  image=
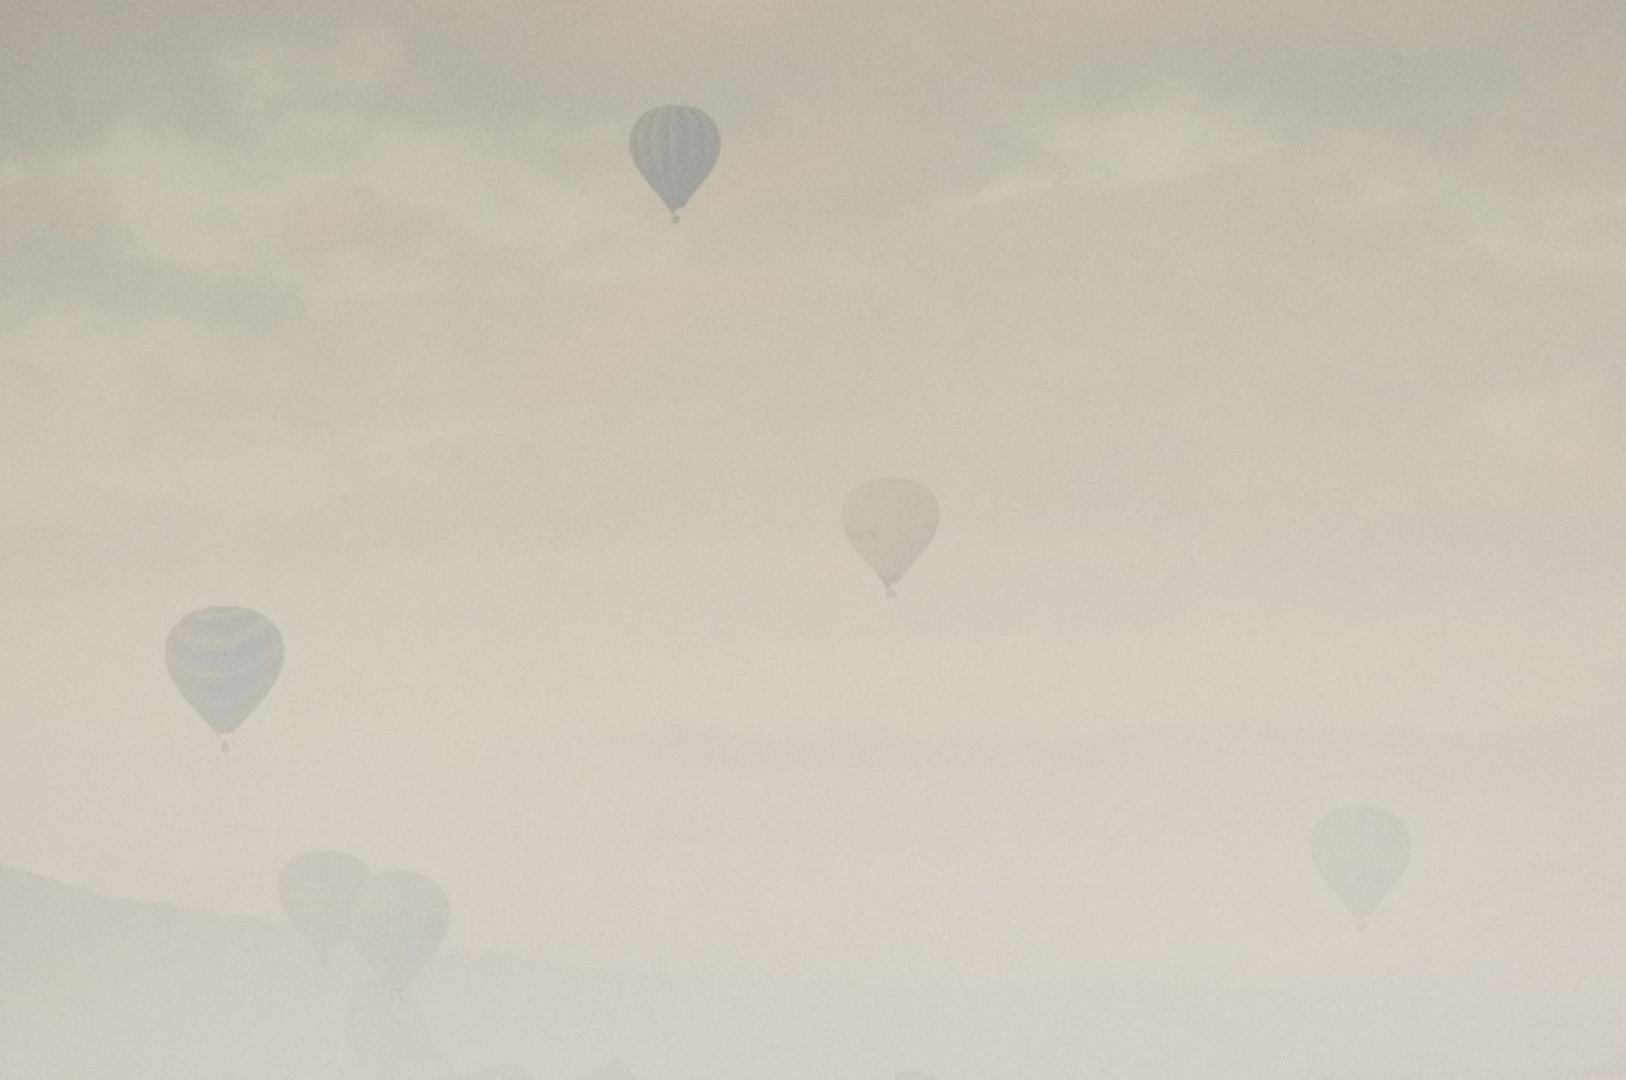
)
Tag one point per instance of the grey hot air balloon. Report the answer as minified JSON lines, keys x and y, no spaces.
{"x":675,"y":148}
{"x":224,"y":661}
{"x":317,"y":889}
{"x":397,"y":921}
{"x":889,"y":523}
{"x":1360,"y":851}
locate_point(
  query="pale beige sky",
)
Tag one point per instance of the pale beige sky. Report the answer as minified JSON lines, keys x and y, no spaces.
{"x":1264,"y":360}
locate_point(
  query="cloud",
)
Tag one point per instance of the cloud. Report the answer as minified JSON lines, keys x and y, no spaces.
{"x":1146,"y":143}
{"x":1554,"y":442}
{"x":340,"y":204}
{"x":65,"y":240}
{"x":1527,"y":225}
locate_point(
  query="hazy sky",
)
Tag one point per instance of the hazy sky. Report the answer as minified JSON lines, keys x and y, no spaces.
{"x":1265,"y":360}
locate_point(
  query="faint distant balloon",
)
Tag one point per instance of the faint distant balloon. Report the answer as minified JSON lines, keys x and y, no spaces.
{"x":675,"y":148}
{"x":397,"y":921}
{"x":890,"y":522}
{"x":224,"y":661}
{"x":1360,"y":851}
{"x":317,"y":889}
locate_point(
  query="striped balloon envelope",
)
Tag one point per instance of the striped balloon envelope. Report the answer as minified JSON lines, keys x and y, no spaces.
{"x":675,"y":148}
{"x":224,"y":661}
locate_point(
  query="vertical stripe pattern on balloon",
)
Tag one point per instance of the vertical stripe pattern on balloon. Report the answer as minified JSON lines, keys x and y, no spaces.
{"x":675,"y":148}
{"x":224,"y":661}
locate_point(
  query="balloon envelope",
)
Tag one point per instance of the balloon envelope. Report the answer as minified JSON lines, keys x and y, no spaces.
{"x":397,"y":921}
{"x":675,"y":148}
{"x":889,"y":522}
{"x":1360,"y":851}
{"x":317,"y":890}
{"x":224,"y":661}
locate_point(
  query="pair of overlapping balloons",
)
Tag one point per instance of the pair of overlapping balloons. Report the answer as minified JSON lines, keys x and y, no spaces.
{"x":395,"y":920}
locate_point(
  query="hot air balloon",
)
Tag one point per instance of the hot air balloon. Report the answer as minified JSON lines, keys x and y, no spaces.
{"x":675,"y":148}
{"x":1360,"y":851}
{"x":397,"y":921}
{"x":224,"y":661}
{"x":316,"y":890}
{"x":889,"y":523}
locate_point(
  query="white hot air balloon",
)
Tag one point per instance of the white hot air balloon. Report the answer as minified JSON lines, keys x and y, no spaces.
{"x":1360,"y":852}
{"x":397,"y":921}
{"x":675,"y":148}
{"x":224,"y":660}
{"x":889,"y":523}
{"x":317,"y":890}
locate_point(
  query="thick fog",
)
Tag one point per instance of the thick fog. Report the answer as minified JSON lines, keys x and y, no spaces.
{"x":1232,"y":394}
